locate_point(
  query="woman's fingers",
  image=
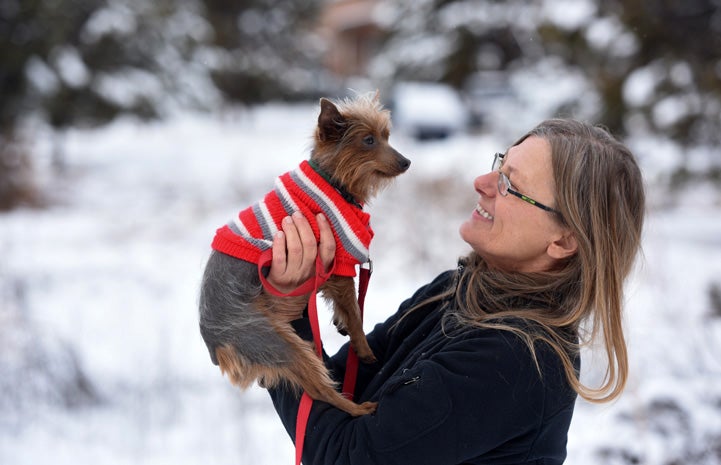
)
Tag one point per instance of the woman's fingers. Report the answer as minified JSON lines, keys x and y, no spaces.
{"x":287,"y":255}
{"x":308,"y":245}
{"x":294,"y":246}
{"x":280,"y":259}
{"x":295,"y":249}
{"x":327,"y":241}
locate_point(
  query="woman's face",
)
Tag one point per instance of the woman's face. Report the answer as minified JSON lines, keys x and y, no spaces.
{"x":512,"y":234}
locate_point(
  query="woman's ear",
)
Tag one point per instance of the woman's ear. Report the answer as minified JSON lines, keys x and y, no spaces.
{"x":563,"y":247}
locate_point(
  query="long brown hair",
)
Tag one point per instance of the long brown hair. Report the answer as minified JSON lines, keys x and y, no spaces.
{"x":600,"y":196}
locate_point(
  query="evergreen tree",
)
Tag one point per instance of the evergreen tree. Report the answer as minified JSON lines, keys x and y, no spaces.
{"x":58,"y":57}
{"x":264,"y":49}
{"x":674,"y":47}
{"x":30,"y":36}
{"x":448,"y":40}
{"x":671,"y":48}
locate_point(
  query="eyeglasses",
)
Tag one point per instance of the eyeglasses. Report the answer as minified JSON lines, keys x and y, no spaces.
{"x":505,"y":188}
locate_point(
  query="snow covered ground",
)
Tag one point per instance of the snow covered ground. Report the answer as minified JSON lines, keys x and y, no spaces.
{"x":100,"y":356}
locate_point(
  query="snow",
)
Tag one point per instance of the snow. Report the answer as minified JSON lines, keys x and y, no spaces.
{"x":670,"y":110}
{"x":108,"y":277}
{"x":533,"y":84}
{"x":116,"y":19}
{"x":41,"y":76}
{"x":71,"y":67}
{"x":569,"y":14}
{"x":608,"y":33}
{"x":639,"y":87}
{"x":127,"y":87}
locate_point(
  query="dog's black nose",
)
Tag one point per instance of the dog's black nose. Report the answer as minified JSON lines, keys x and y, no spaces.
{"x":403,"y":162}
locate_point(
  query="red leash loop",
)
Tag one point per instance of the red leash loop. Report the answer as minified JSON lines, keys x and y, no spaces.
{"x":313,"y":285}
{"x":351,"y":366}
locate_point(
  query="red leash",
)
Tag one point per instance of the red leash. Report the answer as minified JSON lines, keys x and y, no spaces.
{"x":351,"y":371}
{"x":351,"y":366}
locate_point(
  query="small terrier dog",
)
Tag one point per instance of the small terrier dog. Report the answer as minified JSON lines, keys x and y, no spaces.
{"x":244,"y":327}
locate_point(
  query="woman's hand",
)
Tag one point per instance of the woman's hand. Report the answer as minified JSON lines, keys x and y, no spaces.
{"x":295,"y":251}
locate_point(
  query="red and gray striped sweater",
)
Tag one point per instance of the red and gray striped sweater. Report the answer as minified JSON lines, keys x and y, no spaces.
{"x":304,"y":190}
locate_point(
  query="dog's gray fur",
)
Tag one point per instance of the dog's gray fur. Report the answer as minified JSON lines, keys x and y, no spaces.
{"x":228,"y":290}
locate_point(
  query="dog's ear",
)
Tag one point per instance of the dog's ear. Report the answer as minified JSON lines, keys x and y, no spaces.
{"x":331,"y":124}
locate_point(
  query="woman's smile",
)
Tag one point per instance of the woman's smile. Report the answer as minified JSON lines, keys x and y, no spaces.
{"x":482,"y":212}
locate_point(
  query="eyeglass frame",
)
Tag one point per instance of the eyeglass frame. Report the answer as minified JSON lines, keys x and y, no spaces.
{"x":505,"y":182}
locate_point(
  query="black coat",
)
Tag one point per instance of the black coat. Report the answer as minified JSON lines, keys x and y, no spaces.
{"x":446,"y":395}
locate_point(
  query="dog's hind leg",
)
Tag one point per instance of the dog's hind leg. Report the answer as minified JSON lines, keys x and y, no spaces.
{"x":346,"y":314}
{"x":300,"y":368}
{"x":308,"y":372}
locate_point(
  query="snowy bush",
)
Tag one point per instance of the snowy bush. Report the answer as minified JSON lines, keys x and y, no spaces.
{"x":37,"y":368}
{"x":17,"y":186}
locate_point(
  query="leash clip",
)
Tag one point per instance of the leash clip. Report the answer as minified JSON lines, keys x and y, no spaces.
{"x":368,"y":266}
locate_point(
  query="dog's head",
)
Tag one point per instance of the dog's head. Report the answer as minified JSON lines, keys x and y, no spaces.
{"x":351,"y":145}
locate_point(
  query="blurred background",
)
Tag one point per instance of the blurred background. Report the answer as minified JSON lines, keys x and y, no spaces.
{"x":130,"y":130}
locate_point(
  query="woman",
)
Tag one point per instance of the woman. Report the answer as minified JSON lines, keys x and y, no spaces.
{"x":482,"y":365}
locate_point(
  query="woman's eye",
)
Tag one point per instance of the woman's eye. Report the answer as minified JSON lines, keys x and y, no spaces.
{"x":369,"y":140}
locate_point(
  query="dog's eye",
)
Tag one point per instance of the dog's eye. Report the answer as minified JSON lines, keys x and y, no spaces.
{"x":369,"y":140}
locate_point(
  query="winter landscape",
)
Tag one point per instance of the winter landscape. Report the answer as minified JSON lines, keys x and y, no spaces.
{"x":147,"y":130}
{"x":101,"y":359}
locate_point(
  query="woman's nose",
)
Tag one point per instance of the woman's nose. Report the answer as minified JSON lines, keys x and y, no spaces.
{"x":487,"y":184}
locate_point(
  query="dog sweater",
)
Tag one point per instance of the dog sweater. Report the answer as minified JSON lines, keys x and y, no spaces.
{"x":303,"y":189}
